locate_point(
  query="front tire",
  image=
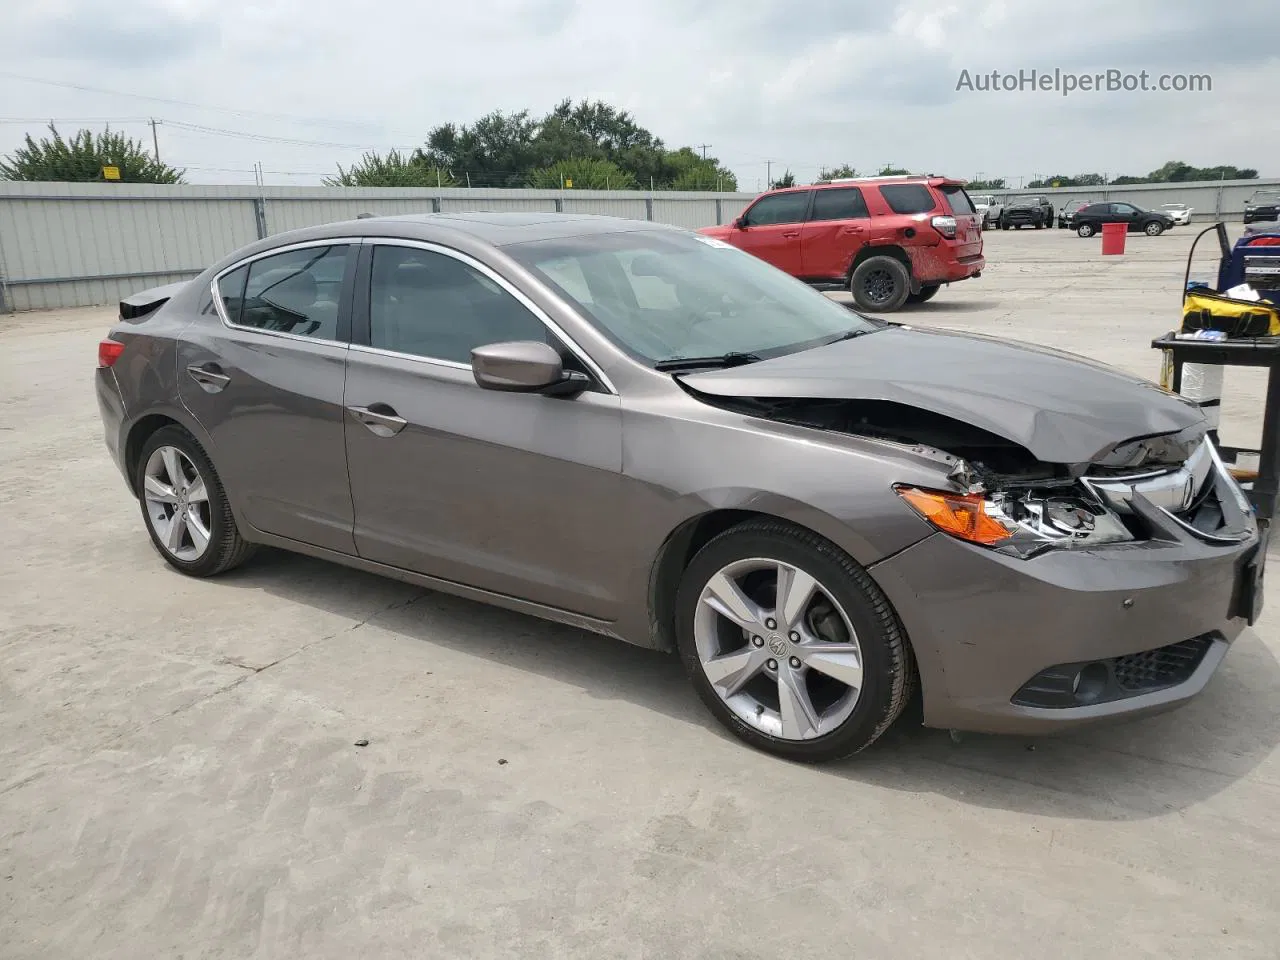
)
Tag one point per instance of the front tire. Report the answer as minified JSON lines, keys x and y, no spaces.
{"x":880,"y":284}
{"x":828,"y":677}
{"x":1153,"y":229}
{"x":184,"y":506}
{"x":1085,"y":230}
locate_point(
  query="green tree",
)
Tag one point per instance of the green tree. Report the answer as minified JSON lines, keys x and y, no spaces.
{"x":788,"y":179}
{"x":842,"y":172}
{"x":393,"y":170}
{"x":582,"y":173}
{"x":82,"y":158}
{"x":686,"y":169}
{"x":974,"y":186}
{"x":889,"y":170}
{"x":1175,"y":171}
{"x":495,"y":151}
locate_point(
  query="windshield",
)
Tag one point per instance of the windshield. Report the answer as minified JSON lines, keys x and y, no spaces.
{"x":1175,"y":206}
{"x":662,"y":295}
{"x":1265,"y":197}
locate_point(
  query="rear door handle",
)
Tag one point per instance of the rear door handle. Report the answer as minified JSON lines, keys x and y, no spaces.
{"x":381,"y":419}
{"x":209,"y":376}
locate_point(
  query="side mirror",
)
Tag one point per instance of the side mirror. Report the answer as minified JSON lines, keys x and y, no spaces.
{"x":524,"y":366}
{"x":740,"y":223}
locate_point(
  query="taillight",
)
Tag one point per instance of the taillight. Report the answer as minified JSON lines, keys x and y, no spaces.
{"x":945,"y":226}
{"x":109,"y":352}
{"x":1263,"y":242}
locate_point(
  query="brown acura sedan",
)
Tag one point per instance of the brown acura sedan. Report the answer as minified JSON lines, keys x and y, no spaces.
{"x":654,"y":436}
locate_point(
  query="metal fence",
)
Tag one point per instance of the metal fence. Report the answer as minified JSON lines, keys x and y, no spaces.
{"x":79,"y":244}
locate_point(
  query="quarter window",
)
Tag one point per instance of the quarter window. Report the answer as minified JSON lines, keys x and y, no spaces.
{"x":908,"y":198}
{"x":294,"y":292}
{"x":838,"y":203}
{"x":433,"y":305}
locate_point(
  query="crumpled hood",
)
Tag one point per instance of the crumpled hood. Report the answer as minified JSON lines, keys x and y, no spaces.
{"x":1062,"y":408}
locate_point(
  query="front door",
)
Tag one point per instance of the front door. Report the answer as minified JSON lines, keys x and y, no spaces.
{"x":512,"y":493}
{"x":265,"y":380}
{"x":837,"y":228}
{"x":770,"y":229}
{"x":1125,"y":213}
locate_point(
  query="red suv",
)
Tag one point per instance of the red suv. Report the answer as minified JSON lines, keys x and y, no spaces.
{"x":890,"y":240}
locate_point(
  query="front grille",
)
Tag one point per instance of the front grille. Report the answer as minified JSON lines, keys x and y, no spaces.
{"x":1116,"y":678}
{"x":1159,"y":668}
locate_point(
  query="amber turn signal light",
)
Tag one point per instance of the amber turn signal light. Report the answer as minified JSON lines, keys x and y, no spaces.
{"x":961,"y":515}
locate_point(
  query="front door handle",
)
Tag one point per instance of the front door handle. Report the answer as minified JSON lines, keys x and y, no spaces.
{"x":381,"y":419}
{"x":791,"y":235}
{"x":209,"y":376}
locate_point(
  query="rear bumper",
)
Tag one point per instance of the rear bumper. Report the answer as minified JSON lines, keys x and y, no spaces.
{"x":949,"y":271}
{"x":983,"y":625}
{"x":111,"y":409}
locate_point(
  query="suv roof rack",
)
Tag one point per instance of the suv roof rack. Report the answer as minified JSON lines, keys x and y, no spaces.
{"x":896,"y":176}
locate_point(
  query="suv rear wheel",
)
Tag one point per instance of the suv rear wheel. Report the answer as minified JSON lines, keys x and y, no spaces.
{"x":880,"y":284}
{"x":926,"y":293}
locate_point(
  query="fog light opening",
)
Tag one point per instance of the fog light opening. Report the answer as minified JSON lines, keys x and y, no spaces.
{"x":1090,"y":683}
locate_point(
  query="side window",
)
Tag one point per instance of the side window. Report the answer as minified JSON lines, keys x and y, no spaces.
{"x":959,"y":200}
{"x":231,"y":292}
{"x":295,"y":292}
{"x":778,"y":208}
{"x":435,"y":306}
{"x":908,"y":197}
{"x":1123,"y":208}
{"x":838,"y":203}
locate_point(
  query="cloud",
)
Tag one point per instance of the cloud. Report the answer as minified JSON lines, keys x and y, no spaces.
{"x":766,"y":84}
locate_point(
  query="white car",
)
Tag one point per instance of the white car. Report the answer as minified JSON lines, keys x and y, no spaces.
{"x":1179,"y":213}
{"x":989,"y":207}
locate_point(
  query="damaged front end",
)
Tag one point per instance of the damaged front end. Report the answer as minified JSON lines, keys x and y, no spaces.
{"x":1172,"y":487}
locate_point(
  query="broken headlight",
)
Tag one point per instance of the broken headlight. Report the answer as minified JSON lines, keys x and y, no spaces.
{"x":1023,"y":522}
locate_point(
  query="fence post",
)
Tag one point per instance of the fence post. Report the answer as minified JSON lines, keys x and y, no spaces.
{"x":648,"y":208}
{"x":260,"y":216}
{"x":559,"y":205}
{"x":435,"y":204}
{"x":4,"y":301}
{"x":719,"y":215}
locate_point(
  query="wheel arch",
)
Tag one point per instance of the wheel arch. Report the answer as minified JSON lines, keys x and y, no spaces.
{"x":879,"y":250}
{"x":144,"y":427}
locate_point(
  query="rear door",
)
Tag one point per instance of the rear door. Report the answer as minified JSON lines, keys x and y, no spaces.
{"x":265,"y":381}
{"x":771,"y":229}
{"x":837,"y":228}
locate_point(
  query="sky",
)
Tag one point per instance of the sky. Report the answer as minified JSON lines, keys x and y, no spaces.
{"x":767,"y":85}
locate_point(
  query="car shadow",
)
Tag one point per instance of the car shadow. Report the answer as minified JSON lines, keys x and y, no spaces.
{"x":1127,"y":771}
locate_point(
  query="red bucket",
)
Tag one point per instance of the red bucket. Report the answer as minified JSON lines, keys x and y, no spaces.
{"x":1113,"y":238}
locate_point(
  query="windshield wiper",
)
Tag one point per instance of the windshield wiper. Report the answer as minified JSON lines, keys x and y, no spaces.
{"x":850,"y":335}
{"x":731,"y":359}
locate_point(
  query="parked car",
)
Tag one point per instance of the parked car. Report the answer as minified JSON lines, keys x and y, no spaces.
{"x":888,"y":240}
{"x":1089,"y":220}
{"x":989,"y":207}
{"x":1022,"y":212}
{"x":1263,"y":206}
{"x":1179,"y":213}
{"x":645,"y":433}
{"x":1067,"y":212}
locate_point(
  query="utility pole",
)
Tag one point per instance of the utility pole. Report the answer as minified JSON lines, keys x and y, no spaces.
{"x":155,"y":140}
{"x":703,"y":148}
{"x":768,"y":174}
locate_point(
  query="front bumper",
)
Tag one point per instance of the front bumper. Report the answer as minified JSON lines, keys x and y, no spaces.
{"x":984,"y":624}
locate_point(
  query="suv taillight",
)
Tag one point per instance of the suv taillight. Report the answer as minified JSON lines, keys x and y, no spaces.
{"x":109,"y":352}
{"x":945,"y":226}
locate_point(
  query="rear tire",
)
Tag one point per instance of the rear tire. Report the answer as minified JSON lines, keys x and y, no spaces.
{"x":1085,"y":230}
{"x":880,"y":284}
{"x":184,"y":506}
{"x":846,"y":611}
{"x":927,"y":292}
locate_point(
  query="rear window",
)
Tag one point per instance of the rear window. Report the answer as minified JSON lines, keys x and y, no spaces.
{"x":908,"y":198}
{"x":959,"y":200}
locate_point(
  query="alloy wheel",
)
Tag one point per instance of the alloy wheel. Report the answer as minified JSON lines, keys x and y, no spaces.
{"x":777,"y":649}
{"x":878,"y":285}
{"x":177,"y":503}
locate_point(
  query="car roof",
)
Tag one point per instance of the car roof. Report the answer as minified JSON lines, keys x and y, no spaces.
{"x":495,"y":228}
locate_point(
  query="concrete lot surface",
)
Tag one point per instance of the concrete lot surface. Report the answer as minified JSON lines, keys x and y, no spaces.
{"x":178,"y":776}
